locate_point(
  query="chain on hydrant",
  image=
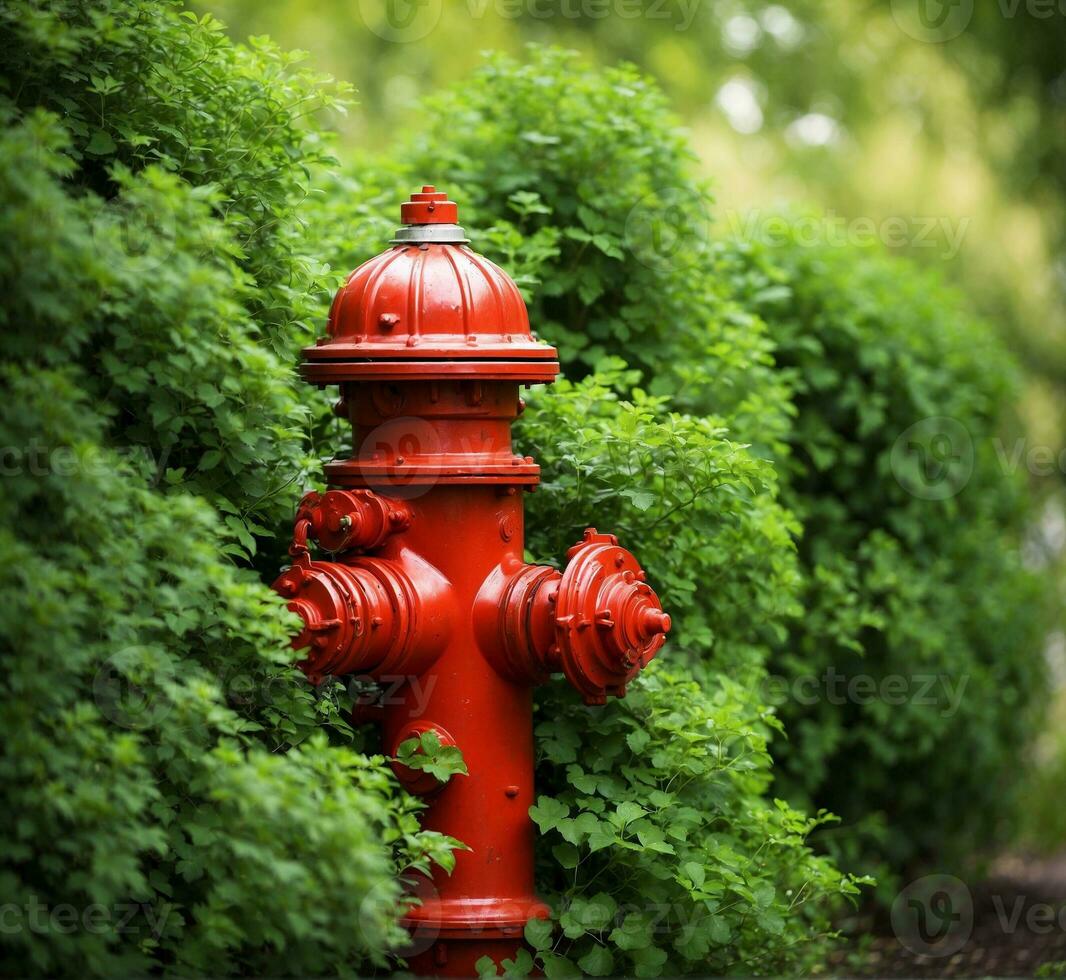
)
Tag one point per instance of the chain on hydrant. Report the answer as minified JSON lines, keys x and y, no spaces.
{"x":426,"y":589}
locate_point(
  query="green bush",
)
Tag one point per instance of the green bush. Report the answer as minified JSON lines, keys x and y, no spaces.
{"x":898,"y":467}
{"x":666,"y":855}
{"x":172,"y":798}
{"x":581,"y":182}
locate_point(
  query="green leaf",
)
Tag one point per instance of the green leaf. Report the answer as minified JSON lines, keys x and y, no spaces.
{"x":649,"y":961}
{"x":638,"y":740}
{"x":626,"y":813}
{"x":558,"y":966}
{"x":719,"y":930}
{"x":538,"y":933}
{"x":695,"y":873}
{"x":597,"y":962}
{"x":520,"y":966}
{"x":101,"y":143}
{"x":548,"y":812}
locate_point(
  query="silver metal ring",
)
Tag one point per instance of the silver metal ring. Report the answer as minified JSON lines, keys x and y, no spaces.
{"x":441,"y":234}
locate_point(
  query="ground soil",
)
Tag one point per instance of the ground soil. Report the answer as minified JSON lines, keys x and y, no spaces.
{"x":1019,"y":930}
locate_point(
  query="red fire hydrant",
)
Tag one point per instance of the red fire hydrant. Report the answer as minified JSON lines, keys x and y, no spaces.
{"x":426,"y":589}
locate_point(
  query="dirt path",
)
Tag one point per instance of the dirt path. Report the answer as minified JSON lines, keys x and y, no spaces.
{"x":1011,"y":925}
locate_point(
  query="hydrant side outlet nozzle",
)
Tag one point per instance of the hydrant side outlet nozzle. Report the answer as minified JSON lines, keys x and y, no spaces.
{"x":423,"y":587}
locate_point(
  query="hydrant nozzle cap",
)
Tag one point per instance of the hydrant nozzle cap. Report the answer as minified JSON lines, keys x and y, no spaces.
{"x":608,"y":622}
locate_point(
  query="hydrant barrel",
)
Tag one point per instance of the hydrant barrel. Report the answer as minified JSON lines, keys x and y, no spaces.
{"x":423,"y":586}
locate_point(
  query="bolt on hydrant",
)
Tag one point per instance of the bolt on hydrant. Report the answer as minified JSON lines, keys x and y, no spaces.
{"x":425,"y":585}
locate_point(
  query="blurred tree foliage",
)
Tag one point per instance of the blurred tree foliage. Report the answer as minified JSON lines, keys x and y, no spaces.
{"x":922,"y":631}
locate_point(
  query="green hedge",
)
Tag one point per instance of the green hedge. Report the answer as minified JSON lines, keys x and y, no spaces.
{"x":581,"y":184}
{"x":916,"y":597}
{"x":171,"y":796}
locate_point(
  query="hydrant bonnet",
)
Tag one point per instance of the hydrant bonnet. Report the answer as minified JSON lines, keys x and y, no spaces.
{"x":429,"y":307}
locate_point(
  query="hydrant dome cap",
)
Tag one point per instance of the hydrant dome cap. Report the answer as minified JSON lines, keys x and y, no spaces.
{"x":429,"y":300}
